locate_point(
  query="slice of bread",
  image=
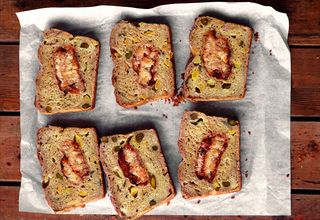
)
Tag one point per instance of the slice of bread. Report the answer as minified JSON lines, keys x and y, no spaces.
{"x":137,"y":174}
{"x":67,"y":78}
{"x":210,"y":149}
{"x":70,"y":165}
{"x":143,"y":63}
{"x":219,"y":63}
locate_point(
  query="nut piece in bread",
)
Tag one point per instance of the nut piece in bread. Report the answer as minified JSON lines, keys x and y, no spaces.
{"x":219,"y":63}
{"x":210,"y":150}
{"x":66,"y":81}
{"x":137,"y":174}
{"x":143,"y":67}
{"x":70,"y":166}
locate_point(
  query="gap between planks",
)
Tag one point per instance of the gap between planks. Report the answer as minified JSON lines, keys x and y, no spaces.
{"x":303,"y":207}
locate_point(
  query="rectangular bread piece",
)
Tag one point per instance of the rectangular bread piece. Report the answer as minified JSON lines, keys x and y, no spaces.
{"x":219,"y":60}
{"x":70,"y":165}
{"x":143,"y":63}
{"x":210,"y":150}
{"x":137,"y":174}
{"x":67,"y":78}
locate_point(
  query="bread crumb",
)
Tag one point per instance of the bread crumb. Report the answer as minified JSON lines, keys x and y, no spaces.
{"x":232,"y":197}
{"x":178,"y":98}
{"x":199,"y":201}
{"x":135,"y":107}
{"x":256,"y":36}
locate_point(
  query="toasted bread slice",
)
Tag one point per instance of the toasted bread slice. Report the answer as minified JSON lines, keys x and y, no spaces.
{"x":219,"y":64}
{"x":210,"y":148}
{"x":70,"y":165}
{"x":137,"y":174}
{"x":67,"y":78}
{"x":143,"y":63}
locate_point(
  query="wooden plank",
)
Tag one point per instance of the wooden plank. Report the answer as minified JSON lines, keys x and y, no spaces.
{"x":303,"y":16}
{"x":305,"y":155}
{"x":9,"y":148}
{"x":9,"y":78}
{"x":305,"y":67}
{"x":305,"y":152}
{"x":305,"y":80}
{"x":305,"y":102}
{"x":303,"y":207}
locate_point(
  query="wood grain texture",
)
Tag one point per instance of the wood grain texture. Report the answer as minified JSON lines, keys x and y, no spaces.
{"x":304,"y":16}
{"x":305,"y":155}
{"x":9,"y":77}
{"x":305,"y":152}
{"x":305,"y":67}
{"x":9,"y":148}
{"x":305,"y":80}
{"x":303,"y":207}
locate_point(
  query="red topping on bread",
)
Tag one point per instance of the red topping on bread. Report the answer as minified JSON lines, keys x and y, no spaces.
{"x":73,"y":164}
{"x":215,"y":56}
{"x":132,"y":166}
{"x":209,"y":156}
{"x":66,"y":68}
{"x":144,"y":62}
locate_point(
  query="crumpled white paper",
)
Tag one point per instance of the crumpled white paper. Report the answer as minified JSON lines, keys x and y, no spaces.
{"x":264,"y":113}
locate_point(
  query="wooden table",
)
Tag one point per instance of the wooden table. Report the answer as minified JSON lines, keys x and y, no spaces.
{"x":304,"y":41}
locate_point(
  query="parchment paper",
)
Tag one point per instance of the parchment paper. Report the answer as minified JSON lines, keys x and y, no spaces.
{"x":264,"y":113}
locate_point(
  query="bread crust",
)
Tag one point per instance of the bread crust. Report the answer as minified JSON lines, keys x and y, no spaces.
{"x":171,"y":76}
{"x":115,"y":203}
{"x":53,"y":33}
{"x":38,"y":145}
{"x":188,"y":96}
{"x":183,"y":152}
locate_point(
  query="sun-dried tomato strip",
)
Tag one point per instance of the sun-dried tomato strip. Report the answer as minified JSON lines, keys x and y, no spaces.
{"x":73,"y":164}
{"x":144,"y":62}
{"x":66,"y":67}
{"x":132,"y":165}
{"x":209,"y":155}
{"x":215,"y":56}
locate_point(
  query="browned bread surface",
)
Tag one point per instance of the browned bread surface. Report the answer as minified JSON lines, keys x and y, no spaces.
{"x":219,"y":63}
{"x":210,"y":148}
{"x":70,"y":165}
{"x":143,"y":67}
{"x":137,"y":174}
{"x":66,"y":81}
